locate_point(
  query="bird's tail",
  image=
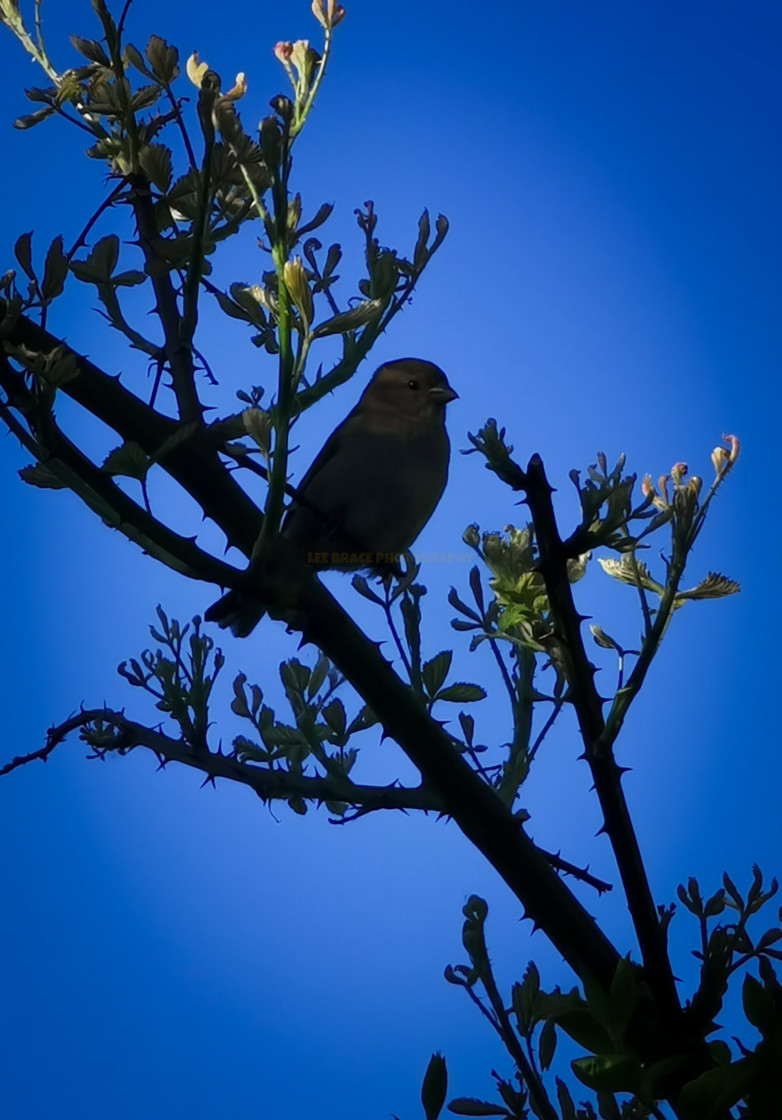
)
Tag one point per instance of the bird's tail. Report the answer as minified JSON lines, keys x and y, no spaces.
{"x":236,"y":612}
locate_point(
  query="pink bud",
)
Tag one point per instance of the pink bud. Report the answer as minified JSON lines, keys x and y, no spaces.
{"x":733,"y":454}
{"x":283,"y":52}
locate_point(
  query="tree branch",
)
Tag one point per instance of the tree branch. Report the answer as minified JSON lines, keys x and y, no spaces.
{"x":605,"y":771}
{"x":98,"y":490}
{"x":178,"y":348}
{"x":268,"y":784}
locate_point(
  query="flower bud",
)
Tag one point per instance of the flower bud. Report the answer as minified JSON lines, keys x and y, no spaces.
{"x":195,"y":70}
{"x":734,"y":448}
{"x":283,"y":52}
{"x":298,"y":288}
{"x":678,"y":471}
{"x":238,"y":89}
{"x":471,"y":536}
{"x":719,"y":460}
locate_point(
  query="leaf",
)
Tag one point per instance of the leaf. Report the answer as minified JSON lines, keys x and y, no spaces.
{"x":719,"y":1089}
{"x":524,"y":997}
{"x":470,"y":1106}
{"x":90,"y":49}
{"x":38,"y":474}
{"x":605,"y":641}
{"x":319,"y":673}
{"x":163,"y":59}
{"x":358,"y":316}
{"x":30,"y":120}
{"x":468,"y":727}
{"x":144,"y":98}
{"x":714,"y":586}
{"x":435,"y":671}
{"x":128,"y":279}
{"x":97,"y":267}
{"x":758,"y":1005}
{"x":420,"y":253}
{"x":55,"y":270}
{"x":624,"y":571}
{"x":613,"y":1073}
{"x":624,"y":997}
{"x":135,"y":58}
{"x":323,"y":214}
{"x":155,"y":160}
{"x":547,"y":1044}
{"x":456,"y":602}
{"x":360,"y":584}
{"x":365,"y":718}
{"x":23,"y":253}
{"x":462,"y":693}
{"x":334,"y":715}
{"x":435,"y":1086}
{"x":239,"y":702}
{"x":129,"y":460}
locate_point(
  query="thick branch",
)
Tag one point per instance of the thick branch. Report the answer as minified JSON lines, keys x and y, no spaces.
{"x":474,"y":805}
{"x":98,"y":489}
{"x":192,"y":462}
{"x":605,"y":771}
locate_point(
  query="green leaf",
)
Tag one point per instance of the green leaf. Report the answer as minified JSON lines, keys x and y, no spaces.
{"x":624,"y":997}
{"x":605,"y":641}
{"x":334,"y":715}
{"x":39,"y":474}
{"x":462,"y":693}
{"x":144,"y":98}
{"x":719,"y":1089}
{"x":23,"y":253}
{"x":128,"y":279}
{"x":163,"y":59}
{"x":420,"y":253}
{"x":239,"y":702}
{"x":319,"y":674}
{"x":129,"y":460}
{"x":30,"y":120}
{"x":435,"y":671}
{"x":625,"y":571}
{"x":470,"y":1106}
{"x":612,"y":1073}
{"x":98,"y":266}
{"x":583,"y":1028}
{"x":155,"y":160}
{"x":55,"y":270}
{"x":134,"y":57}
{"x":714,"y":586}
{"x":358,"y":316}
{"x":758,"y":1005}
{"x":547,"y":1044}
{"x":360,"y":584}
{"x":91,"y":50}
{"x":435,"y":1086}
{"x":524,"y":997}
{"x":365,"y":718}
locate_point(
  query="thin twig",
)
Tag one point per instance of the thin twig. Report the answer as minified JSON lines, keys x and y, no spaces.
{"x":558,"y":705}
{"x":107,"y":202}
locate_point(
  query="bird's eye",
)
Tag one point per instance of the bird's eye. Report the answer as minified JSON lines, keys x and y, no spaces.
{"x":413,"y":384}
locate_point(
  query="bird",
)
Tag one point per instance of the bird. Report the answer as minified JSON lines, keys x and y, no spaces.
{"x":372,"y":487}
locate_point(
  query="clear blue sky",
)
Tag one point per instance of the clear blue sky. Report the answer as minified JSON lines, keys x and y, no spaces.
{"x":611,"y":173}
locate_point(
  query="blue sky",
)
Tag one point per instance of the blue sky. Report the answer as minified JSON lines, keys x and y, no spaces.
{"x":611,"y":173}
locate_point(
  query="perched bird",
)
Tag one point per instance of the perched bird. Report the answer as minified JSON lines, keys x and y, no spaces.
{"x":373,"y":486}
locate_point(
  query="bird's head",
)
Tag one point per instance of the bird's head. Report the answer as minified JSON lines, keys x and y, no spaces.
{"x":409,"y":393}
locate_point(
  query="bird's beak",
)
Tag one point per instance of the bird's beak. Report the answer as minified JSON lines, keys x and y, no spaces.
{"x":443,"y":393}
